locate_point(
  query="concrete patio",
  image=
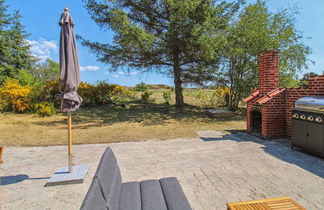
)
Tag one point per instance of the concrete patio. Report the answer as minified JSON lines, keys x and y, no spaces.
{"x":213,"y":169}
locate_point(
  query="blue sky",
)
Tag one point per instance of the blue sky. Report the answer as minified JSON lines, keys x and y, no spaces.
{"x":41,"y":17}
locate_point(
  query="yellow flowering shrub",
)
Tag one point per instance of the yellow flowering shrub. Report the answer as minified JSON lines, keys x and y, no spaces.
{"x":217,"y":98}
{"x":15,"y":97}
{"x":87,"y":92}
{"x":220,"y":96}
{"x":104,"y":93}
{"x":42,"y":98}
{"x":44,"y":109}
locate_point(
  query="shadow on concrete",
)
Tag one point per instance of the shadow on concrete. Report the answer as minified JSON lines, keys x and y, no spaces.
{"x":279,"y":148}
{"x":219,"y":136}
{"x":8,"y":180}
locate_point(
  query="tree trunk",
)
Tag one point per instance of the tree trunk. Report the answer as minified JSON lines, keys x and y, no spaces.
{"x":233,"y":101}
{"x":233,"y":89}
{"x":177,"y":86}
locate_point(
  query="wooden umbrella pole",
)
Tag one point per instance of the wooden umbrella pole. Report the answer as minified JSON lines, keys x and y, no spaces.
{"x":69,"y":133}
{"x":70,"y":141}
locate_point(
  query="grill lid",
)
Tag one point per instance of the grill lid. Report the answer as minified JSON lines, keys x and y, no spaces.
{"x":313,"y":103}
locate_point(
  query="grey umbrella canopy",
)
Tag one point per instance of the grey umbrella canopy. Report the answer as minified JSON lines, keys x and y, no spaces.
{"x":69,"y":65}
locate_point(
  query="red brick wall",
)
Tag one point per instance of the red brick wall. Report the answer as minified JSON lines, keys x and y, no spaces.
{"x":315,"y":88}
{"x":273,"y":117}
{"x":268,"y":64}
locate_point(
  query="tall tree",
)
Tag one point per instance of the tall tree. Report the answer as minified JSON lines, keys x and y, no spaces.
{"x":4,"y":40}
{"x":257,"y":29}
{"x":15,"y":54}
{"x":176,"y":37}
{"x":20,"y":48}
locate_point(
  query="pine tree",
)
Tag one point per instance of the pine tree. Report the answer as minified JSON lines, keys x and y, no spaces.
{"x":176,"y":37}
{"x":20,"y":49}
{"x":4,"y":41}
{"x":15,"y":53}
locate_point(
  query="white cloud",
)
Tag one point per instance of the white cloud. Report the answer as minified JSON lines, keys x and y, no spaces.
{"x":131,"y":73}
{"x":42,"y":48}
{"x":107,"y":73}
{"x":116,"y":75}
{"x":89,"y":68}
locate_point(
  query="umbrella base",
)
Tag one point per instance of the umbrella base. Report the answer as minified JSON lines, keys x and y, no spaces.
{"x":62,"y":176}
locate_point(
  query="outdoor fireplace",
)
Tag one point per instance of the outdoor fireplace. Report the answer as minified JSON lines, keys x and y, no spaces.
{"x":266,"y":106}
{"x":256,"y":121}
{"x":270,"y":107}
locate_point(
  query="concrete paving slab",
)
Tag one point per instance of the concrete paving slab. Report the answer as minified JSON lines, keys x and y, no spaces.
{"x":228,"y":168}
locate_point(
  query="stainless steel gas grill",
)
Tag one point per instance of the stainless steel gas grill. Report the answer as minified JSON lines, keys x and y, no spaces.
{"x":308,"y":125}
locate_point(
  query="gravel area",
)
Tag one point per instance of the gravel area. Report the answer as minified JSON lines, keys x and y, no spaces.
{"x":213,"y":169}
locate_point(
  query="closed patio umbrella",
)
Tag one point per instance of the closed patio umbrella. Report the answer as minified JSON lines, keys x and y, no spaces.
{"x":69,"y":74}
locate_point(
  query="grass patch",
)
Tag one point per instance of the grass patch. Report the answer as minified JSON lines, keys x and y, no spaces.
{"x":189,"y":95}
{"x":111,"y":123}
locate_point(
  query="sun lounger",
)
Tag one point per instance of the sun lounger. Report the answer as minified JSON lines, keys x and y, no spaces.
{"x":108,"y":192}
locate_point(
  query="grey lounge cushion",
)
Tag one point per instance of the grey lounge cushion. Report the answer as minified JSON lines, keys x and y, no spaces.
{"x":108,"y":193}
{"x":94,"y":198}
{"x":174,"y":195}
{"x":130,"y":197}
{"x":109,"y":177}
{"x":152,"y":195}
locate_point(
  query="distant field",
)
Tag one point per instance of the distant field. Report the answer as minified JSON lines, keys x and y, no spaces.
{"x":190,"y":95}
{"x":111,"y":123}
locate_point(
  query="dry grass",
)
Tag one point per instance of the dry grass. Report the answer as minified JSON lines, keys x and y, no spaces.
{"x":112,"y":124}
{"x":189,"y":95}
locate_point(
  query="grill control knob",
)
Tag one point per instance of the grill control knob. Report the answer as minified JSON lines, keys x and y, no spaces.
{"x":310,"y":118}
{"x":319,"y":119}
{"x":303,"y":117}
{"x":295,"y":115}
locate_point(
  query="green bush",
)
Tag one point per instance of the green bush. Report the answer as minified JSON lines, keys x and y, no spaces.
{"x":167,"y":97}
{"x":48,"y":92}
{"x":26,"y":78}
{"x":146,"y":96}
{"x":141,"y":87}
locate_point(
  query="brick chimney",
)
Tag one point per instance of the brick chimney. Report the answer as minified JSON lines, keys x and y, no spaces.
{"x":268,"y":64}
